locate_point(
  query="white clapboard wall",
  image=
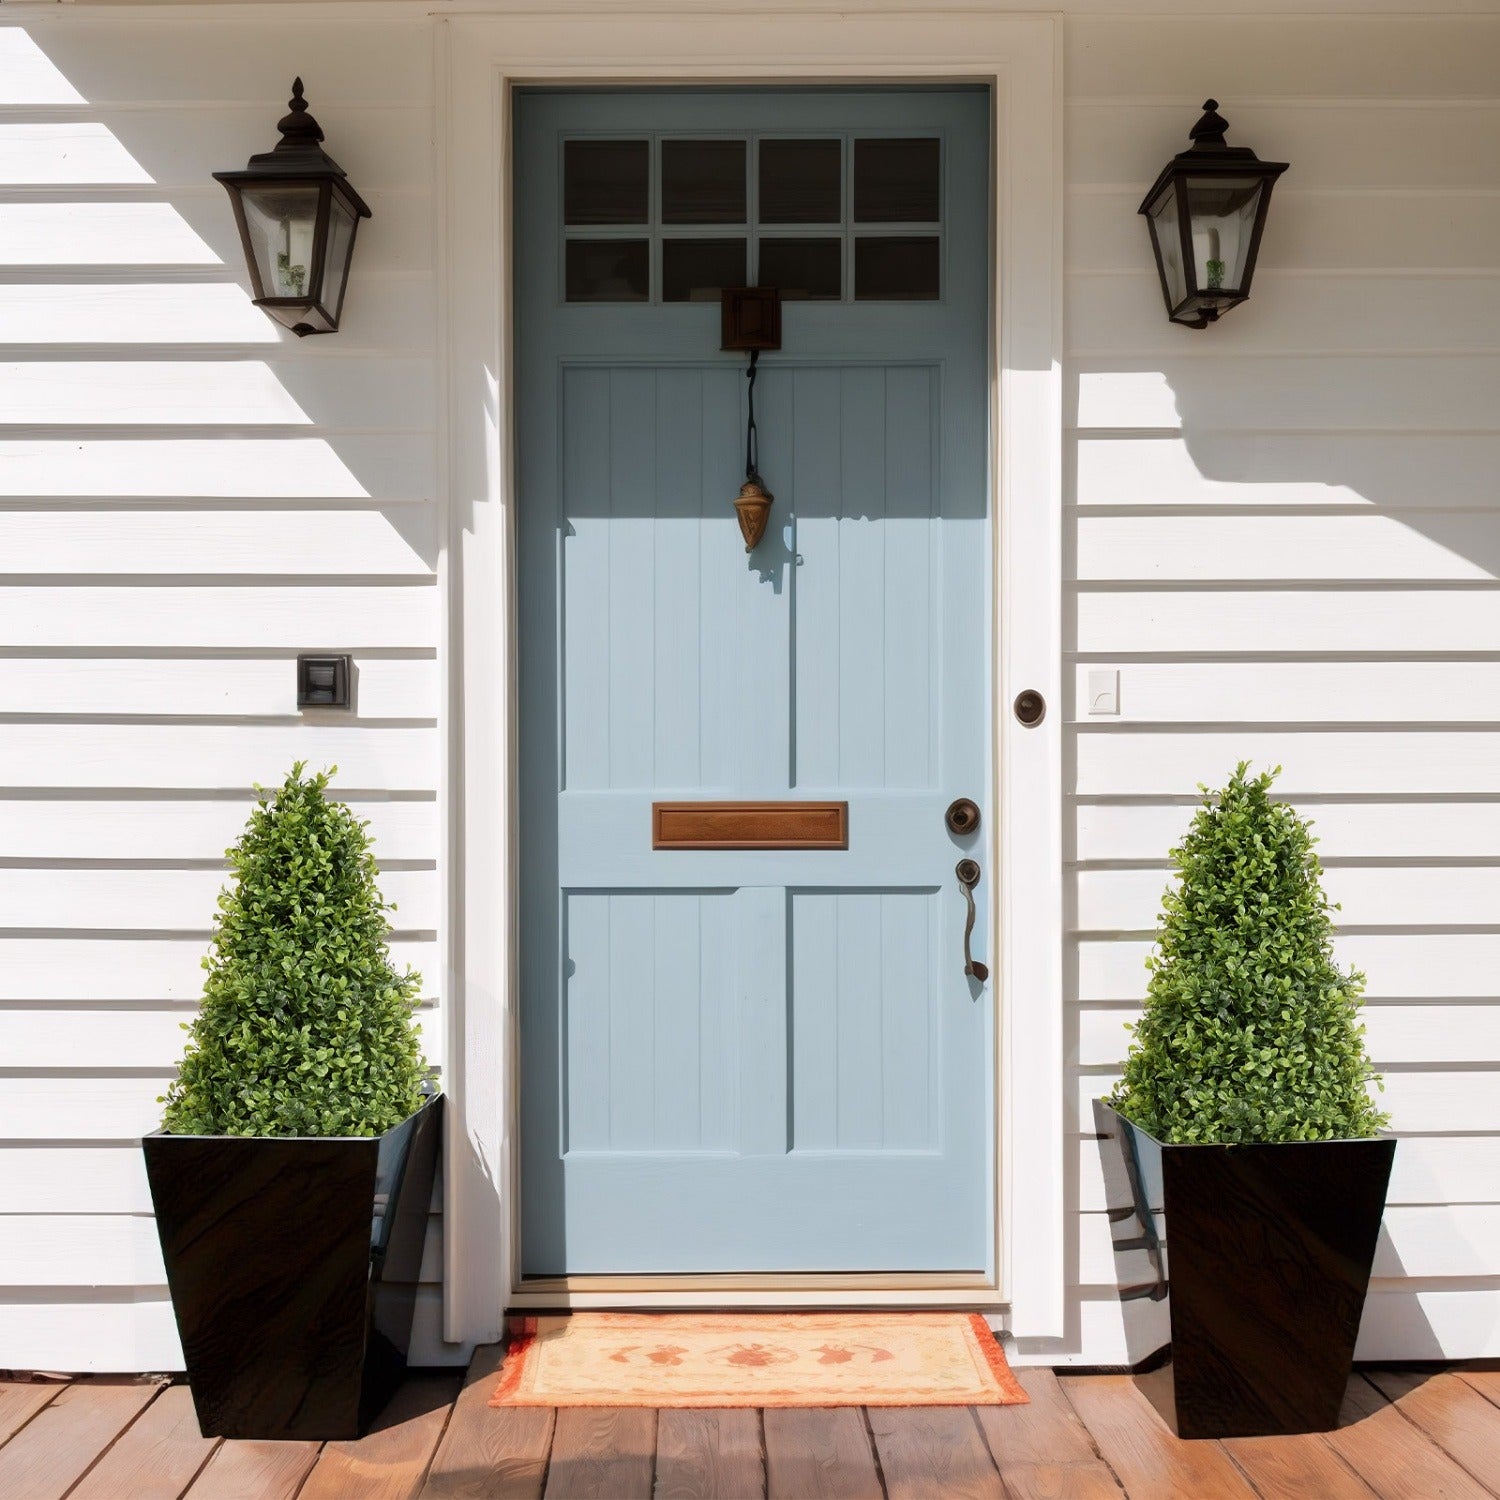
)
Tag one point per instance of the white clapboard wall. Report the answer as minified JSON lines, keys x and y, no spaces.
{"x":1284,"y":538}
{"x":188,"y":497}
{"x":1282,"y":534}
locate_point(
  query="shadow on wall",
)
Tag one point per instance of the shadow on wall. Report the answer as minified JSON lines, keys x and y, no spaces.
{"x":115,"y":241}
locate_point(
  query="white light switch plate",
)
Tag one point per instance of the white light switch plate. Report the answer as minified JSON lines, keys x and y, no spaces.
{"x":1104,"y":690}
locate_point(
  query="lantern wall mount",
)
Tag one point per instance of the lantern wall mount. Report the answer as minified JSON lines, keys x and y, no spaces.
{"x":1206,"y":213}
{"x":297,"y":216}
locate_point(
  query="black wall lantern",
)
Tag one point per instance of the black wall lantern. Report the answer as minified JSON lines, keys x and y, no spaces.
{"x":1206,"y":212}
{"x":297,"y":216}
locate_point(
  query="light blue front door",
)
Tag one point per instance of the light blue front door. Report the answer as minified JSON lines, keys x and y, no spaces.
{"x":753,"y":1060}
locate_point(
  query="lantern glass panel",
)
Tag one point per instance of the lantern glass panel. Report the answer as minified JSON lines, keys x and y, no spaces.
{"x":341,"y":222}
{"x":282,"y":222}
{"x":1223,"y":212}
{"x":1166,"y":231}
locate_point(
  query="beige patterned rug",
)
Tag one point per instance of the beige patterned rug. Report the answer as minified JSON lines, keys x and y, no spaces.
{"x":755,"y":1359}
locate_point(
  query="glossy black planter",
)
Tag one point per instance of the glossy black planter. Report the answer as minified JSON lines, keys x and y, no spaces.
{"x":293,"y":1267}
{"x":1270,"y":1253}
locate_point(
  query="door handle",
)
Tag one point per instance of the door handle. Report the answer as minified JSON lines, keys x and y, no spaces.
{"x":967,"y":871}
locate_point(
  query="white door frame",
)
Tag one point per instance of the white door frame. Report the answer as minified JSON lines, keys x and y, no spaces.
{"x":481,"y":58}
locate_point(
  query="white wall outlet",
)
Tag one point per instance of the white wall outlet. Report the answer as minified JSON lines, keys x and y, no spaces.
{"x":1104,"y":690}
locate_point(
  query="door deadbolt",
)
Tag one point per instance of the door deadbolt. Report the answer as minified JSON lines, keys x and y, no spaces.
{"x":962,"y":816}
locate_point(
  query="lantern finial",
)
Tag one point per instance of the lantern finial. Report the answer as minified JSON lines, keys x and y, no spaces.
{"x":1209,"y":131}
{"x":298,"y":129}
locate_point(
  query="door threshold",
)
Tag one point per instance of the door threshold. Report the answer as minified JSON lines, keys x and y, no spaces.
{"x":972,"y":1288}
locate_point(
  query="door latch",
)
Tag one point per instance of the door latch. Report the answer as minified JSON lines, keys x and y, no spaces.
{"x":967,"y":871}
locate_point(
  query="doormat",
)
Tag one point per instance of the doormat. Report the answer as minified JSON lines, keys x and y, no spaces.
{"x":755,"y":1359}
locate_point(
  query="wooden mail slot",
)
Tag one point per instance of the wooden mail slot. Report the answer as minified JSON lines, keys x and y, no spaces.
{"x":749,"y":825}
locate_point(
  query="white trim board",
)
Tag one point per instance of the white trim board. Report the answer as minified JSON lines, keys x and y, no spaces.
{"x":482,"y":58}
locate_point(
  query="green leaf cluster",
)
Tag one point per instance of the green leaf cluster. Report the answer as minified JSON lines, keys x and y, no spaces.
{"x":1250,"y":1032}
{"x":306,"y":1027}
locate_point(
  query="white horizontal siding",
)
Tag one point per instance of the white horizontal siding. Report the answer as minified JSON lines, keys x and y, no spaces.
{"x":87,"y":967}
{"x":189,"y":496}
{"x":1284,"y":536}
{"x":145,"y":829}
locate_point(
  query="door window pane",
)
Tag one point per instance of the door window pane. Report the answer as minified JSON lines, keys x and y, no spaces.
{"x":897,"y":181}
{"x":698,"y":270}
{"x":803,"y":270}
{"x":608,"y":271}
{"x":800,"y":182}
{"x":606,"y":182}
{"x":897,"y":268}
{"x":703,"y":182}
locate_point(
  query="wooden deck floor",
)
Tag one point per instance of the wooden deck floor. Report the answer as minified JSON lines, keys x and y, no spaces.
{"x":1406,"y":1436}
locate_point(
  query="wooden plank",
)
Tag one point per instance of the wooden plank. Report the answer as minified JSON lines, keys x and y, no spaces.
{"x":351,"y":616}
{"x":1061,"y":1482}
{"x":1354,"y":470}
{"x":1294,"y":1468}
{"x":164,"y":901}
{"x":488,"y":1453}
{"x":1412,"y":895}
{"x":749,"y":825}
{"x":1452,"y":1413}
{"x":933,"y":1450}
{"x":1137,"y":1445}
{"x":1404,"y":966}
{"x":156,"y":1458}
{"x":186,"y":828}
{"x":1352,"y":545}
{"x":1300,"y":622}
{"x":1486,"y":1382}
{"x":369,"y":466}
{"x":1394,"y":1033}
{"x":46,"y":1457}
{"x":21,"y":1400}
{"x":1345,"y":830}
{"x":1314,"y":762}
{"x":391,"y":1461}
{"x":1045,"y":1432}
{"x":709,"y":1455}
{"x":351,"y":541}
{"x":814,"y":1454}
{"x":602,"y":1453}
{"x":244,"y":1470}
{"x":81,"y":967}
{"x":1392,"y":1455}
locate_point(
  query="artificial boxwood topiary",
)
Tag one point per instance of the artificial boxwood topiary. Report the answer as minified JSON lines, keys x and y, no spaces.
{"x":1251,"y":1033}
{"x":306,"y":1026}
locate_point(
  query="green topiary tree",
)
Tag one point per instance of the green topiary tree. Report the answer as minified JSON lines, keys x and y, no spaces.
{"x":1250,"y":1033}
{"x":306,"y":1027}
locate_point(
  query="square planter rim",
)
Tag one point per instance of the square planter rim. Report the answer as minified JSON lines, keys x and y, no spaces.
{"x":1323,"y":1140}
{"x":162,"y":1133}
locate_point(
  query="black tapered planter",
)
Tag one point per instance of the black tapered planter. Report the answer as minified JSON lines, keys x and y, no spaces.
{"x":1253,"y":1332}
{"x":293,"y":1265}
